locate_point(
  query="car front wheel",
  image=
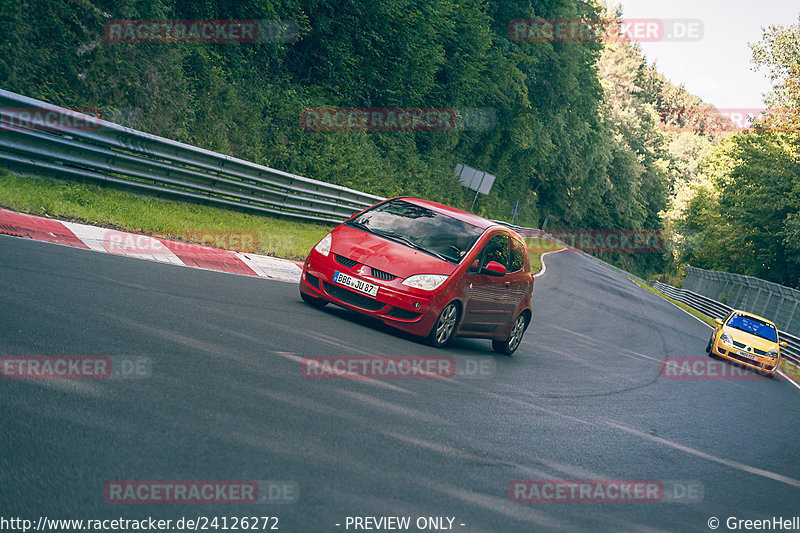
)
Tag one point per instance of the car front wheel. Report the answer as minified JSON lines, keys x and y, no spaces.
{"x":445,"y":326}
{"x":514,"y":339}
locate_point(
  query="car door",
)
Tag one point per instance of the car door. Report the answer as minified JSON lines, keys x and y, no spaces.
{"x":518,"y":276}
{"x":487,"y":304}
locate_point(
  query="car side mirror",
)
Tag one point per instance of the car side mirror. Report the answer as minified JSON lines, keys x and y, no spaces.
{"x":718,"y":321}
{"x":784,"y":344}
{"x":494,"y":269}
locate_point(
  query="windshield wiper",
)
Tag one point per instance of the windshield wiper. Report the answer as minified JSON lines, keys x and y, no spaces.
{"x":358,"y":224}
{"x":410,"y":243}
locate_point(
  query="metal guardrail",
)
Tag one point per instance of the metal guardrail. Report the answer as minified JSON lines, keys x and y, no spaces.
{"x":764,"y":298}
{"x":40,"y":139}
{"x":705,"y":305}
{"x":716,"y":309}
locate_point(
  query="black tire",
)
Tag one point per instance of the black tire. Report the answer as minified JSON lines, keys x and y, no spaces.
{"x":710,"y":344}
{"x":510,"y":345}
{"x":313,"y":302}
{"x":444,"y":328}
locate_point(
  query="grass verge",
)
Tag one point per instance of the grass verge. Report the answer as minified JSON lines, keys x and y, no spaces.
{"x":788,"y":369}
{"x":169,"y":219}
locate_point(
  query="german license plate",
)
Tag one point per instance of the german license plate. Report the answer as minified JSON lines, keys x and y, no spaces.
{"x":747,"y":355}
{"x":355,"y":283}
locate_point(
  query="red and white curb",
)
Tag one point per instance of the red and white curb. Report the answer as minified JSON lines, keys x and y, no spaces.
{"x":146,"y":247}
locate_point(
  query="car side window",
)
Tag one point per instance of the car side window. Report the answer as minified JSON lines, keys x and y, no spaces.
{"x":496,"y":250}
{"x":517,"y":256}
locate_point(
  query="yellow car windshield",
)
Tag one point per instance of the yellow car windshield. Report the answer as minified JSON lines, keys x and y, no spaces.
{"x":754,"y":327}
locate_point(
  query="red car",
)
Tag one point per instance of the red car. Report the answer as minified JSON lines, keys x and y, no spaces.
{"x":428,"y":269}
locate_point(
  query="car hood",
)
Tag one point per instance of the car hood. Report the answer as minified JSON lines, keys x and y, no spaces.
{"x":386,"y":254}
{"x":750,"y":340}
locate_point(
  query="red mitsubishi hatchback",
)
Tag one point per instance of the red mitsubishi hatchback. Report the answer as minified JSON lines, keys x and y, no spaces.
{"x":428,"y":269}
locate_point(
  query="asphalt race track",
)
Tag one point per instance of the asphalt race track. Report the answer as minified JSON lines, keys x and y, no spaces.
{"x":225,"y":399}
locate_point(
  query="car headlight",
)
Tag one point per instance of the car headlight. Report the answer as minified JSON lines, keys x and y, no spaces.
{"x":773,"y":353}
{"x":426,"y":282}
{"x":726,"y":339}
{"x":324,"y":246}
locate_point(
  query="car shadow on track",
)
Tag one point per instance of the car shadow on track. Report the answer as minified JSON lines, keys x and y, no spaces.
{"x":464,"y":346}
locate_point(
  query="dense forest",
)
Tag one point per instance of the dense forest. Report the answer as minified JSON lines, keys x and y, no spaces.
{"x":577,"y":132}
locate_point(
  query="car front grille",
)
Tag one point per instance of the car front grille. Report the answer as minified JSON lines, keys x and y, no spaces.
{"x":352,"y":298}
{"x":745,"y":347}
{"x":346,"y":261}
{"x":350,"y":263}
{"x":380,"y":274}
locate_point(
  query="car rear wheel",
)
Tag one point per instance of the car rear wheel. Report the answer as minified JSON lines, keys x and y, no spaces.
{"x":314,"y":302}
{"x":445,"y":326}
{"x":514,"y":339}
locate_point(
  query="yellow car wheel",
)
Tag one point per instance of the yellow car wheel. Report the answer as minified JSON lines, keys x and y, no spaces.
{"x":710,"y":347}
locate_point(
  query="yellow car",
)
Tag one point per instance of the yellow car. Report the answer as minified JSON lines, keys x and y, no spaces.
{"x":747,"y":339}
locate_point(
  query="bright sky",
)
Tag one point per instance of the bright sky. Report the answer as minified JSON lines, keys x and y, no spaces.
{"x":716,"y":68}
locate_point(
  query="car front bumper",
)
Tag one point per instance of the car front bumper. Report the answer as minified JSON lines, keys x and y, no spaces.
{"x":394,"y":304}
{"x":761,"y":364}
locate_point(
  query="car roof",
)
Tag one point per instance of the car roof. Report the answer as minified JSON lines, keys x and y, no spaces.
{"x":459,"y":214}
{"x":761,"y":318}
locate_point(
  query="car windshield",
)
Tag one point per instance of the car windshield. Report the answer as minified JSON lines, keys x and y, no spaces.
{"x":420,"y":228}
{"x":754,"y":327}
